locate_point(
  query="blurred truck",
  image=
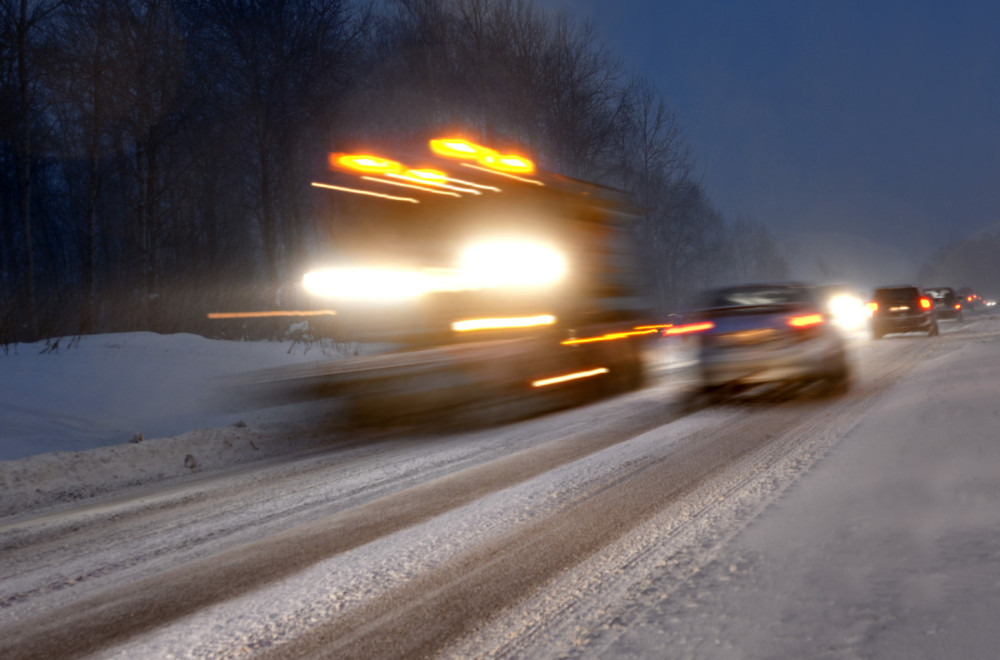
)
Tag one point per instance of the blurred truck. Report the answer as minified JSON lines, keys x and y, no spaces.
{"x":498,"y":290}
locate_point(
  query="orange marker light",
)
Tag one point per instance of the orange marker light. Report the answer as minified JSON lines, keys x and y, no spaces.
{"x":489,"y":158}
{"x":510,"y":163}
{"x":365,"y":163}
{"x":872,"y":307}
{"x":458,"y":148}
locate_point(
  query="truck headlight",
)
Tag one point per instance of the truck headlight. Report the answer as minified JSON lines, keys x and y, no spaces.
{"x":511,"y":263}
{"x":367,"y":283}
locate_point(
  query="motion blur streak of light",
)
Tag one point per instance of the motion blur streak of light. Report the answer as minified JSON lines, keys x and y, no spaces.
{"x":689,"y":328}
{"x":411,"y":186}
{"x":430,"y":176}
{"x":805,"y":321}
{"x":499,"y":173}
{"x":480,"y":186}
{"x":370,"y":193}
{"x":502,"y":323}
{"x":608,"y":337}
{"x":567,"y":377}
{"x":427,"y":183}
{"x":250,"y":315}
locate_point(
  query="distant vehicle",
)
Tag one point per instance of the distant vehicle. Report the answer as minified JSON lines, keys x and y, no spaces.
{"x":947,"y":304}
{"x":970,"y":299}
{"x":766,"y":333}
{"x":903,"y":308}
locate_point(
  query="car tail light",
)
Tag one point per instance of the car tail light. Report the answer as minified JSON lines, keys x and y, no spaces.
{"x":958,"y":306}
{"x":688,"y":328}
{"x":806,"y":326}
{"x":925,"y":303}
{"x":805,"y":321}
{"x":872,"y":307}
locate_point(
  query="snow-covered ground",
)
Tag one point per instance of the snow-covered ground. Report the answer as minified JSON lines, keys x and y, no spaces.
{"x":82,"y":416}
{"x":80,"y":393}
{"x":888,"y":545}
{"x":88,"y":415}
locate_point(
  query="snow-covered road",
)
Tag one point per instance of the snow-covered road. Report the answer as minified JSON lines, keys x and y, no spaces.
{"x":859,"y":526}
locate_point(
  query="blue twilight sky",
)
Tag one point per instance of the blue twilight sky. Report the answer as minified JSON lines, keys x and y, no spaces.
{"x":877,"y":119}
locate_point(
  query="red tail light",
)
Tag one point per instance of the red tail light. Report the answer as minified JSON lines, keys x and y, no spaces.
{"x":925,"y":303}
{"x":872,"y":307}
{"x":958,"y":306}
{"x":688,"y":328}
{"x":805,"y":321}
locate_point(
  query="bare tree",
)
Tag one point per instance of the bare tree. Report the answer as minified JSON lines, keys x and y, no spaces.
{"x":279,"y":67}
{"x":26,"y":23}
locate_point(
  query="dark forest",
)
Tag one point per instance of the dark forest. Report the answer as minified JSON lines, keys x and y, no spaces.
{"x":156,"y":155}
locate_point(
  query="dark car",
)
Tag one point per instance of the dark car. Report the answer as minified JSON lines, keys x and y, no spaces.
{"x":902,"y":308}
{"x":970,"y":299}
{"x":766,"y":333}
{"x":947,"y":304}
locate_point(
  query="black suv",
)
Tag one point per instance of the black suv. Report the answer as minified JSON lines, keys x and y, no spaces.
{"x":947,"y":304}
{"x":902,"y":308}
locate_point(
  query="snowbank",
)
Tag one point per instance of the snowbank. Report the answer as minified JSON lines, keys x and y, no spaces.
{"x":85,"y":416}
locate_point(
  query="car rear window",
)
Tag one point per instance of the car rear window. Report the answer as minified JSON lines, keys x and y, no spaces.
{"x":897,"y":295}
{"x":758,"y":296}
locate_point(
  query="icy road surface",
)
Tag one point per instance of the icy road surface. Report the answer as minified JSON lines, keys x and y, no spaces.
{"x":861,"y":526}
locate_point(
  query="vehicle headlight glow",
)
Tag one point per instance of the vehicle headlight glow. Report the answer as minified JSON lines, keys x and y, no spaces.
{"x":511,"y":263}
{"x":368,"y":283}
{"x":848,"y":311}
{"x":503,"y":323}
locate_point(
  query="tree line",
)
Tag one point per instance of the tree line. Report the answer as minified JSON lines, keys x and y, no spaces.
{"x":972,"y":262}
{"x":156,"y":155}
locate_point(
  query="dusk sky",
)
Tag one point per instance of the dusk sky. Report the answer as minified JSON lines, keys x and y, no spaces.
{"x":869,"y":118}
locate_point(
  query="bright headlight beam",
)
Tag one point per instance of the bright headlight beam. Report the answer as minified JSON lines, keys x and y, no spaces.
{"x":511,"y":263}
{"x":503,"y":323}
{"x":367,"y":284}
